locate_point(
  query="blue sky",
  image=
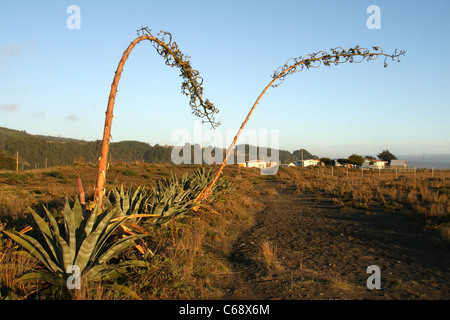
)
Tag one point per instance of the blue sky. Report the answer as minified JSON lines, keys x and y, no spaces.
{"x":56,"y":81}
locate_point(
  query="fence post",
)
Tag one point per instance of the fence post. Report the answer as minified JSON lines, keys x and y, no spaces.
{"x":17,"y":161}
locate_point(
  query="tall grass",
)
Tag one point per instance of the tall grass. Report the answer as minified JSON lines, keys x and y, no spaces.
{"x":269,"y":254}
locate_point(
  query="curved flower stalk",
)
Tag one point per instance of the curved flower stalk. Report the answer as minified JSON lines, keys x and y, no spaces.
{"x":336,"y":56}
{"x":191,"y":86}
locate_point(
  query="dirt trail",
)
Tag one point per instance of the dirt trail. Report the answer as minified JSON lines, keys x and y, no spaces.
{"x":323,"y":253}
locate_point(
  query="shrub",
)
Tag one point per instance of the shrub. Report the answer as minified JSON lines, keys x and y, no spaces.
{"x":128,"y":172}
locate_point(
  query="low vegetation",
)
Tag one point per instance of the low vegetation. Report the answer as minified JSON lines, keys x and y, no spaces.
{"x":181,"y":250}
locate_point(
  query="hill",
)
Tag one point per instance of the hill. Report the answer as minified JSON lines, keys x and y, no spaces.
{"x":39,"y":151}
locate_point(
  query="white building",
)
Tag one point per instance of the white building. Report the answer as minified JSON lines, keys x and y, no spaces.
{"x":307,"y":163}
{"x":399,"y":163}
{"x":258,"y":164}
{"x":379,"y":164}
{"x":374,"y":164}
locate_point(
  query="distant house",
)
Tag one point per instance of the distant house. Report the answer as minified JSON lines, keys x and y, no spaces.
{"x":379,"y":164}
{"x":399,"y":163}
{"x":374,"y":164}
{"x":288,"y":165}
{"x":336,"y":163}
{"x":307,"y":163}
{"x":258,"y":164}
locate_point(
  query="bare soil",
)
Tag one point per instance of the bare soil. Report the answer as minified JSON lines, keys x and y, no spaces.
{"x":323,"y":252}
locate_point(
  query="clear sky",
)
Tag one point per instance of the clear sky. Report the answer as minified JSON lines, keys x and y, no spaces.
{"x":56,"y":81}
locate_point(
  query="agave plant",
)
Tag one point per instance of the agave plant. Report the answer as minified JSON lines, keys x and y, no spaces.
{"x":174,"y":198}
{"x":170,"y":198}
{"x":127,"y":203}
{"x":202,"y":178}
{"x":87,"y":244}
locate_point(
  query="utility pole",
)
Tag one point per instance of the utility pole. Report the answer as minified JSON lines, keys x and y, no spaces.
{"x":17,"y":161}
{"x":303,"y":164}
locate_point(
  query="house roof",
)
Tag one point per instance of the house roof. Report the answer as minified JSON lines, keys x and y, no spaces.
{"x":398,"y":163}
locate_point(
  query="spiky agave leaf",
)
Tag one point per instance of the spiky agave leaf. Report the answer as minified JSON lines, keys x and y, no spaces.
{"x":36,"y":250}
{"x":113,"y":271}
{"x":93,"y":245}
{"x":129,"y":202}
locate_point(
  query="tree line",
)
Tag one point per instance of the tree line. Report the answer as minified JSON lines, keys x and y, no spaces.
{"x":37,"y":151}
{"x":359,"y":160}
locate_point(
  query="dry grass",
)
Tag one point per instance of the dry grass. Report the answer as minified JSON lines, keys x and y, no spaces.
{"x":13,"y":264}
{"x":269,"y":254}
{"x":420,"y":193}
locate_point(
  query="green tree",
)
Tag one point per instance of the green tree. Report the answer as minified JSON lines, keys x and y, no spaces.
{"x":326,"y":161}
{"x":386,"y":156}
{"x":7,"y":162}
{"x":356,"y":160}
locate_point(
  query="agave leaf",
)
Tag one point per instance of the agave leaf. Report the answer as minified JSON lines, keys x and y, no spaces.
{"x":108,"y":227}
{"x":87,"y":249}
{"x":125,"y":200}
{"x":118,"y":246}
{"x":110,"y":272}
{"x":34,"y":248}
{"x":77,"y":212}
{"x":54,"y":248}
{"x":91,"y":221}
{"x":105,"y":235}
{"x":68,"y":254}
{"x":53,"y":222}
{"x":43,"y":226}
{"x":103,"y":272}
{"x":91,"y":244}
{"x":48,"y":235}
{"x":44,"y":276}
{"x":137,"y":199}
{"x":82,"y":234}
{"x":69,"y":219}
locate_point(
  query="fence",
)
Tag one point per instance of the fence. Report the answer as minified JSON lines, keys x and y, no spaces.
{"x":390,"y":171}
